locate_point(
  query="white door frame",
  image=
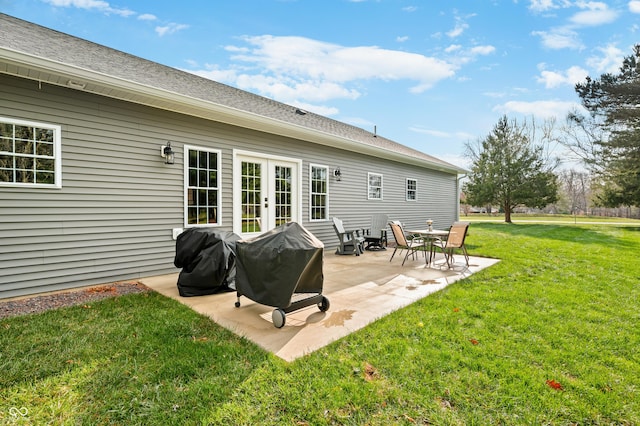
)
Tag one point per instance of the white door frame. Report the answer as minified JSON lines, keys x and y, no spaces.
{"x":296,"y":187}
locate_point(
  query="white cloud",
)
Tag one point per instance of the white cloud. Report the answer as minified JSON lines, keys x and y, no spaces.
{"x":440,"y":134}
{"x":460,"y":27}
{"x":609,"y":62}
{"x":597,"y":13}
{"x":634,"y":6}
{"x":458,"y":30}
{"x":234,"y":49}
{"x":358,"y":121}
{"x":170,"y":28}
{"x":560,"y":38}
{"x":99,"y":5}
{"x":495,"y":94}
{"x":547,"y":5}
{"x":147,"y":17}
{"x":304,"y":59}
{"x":592,"y":13}
{"x":213,"y":73}
{"x":324,"y":110}
{"x":461,"y":55}
{"x":541,"y":5}
{"x":301,"y":71}
{"x":552,"y":79}
{"x":410,"y":9}
{"x":482,"y":50}
{"x":289,"y":90}
{"x":429,"y":132}
{"x":402,"y":39}
{"x":540,"y":109}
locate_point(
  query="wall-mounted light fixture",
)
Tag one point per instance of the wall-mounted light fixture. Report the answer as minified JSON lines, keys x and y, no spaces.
{"x":337,"y":174}
{"x":167,"y":153}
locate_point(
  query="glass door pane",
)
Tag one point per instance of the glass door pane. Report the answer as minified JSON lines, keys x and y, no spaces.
{"x":251,"y":194}
{"x":265,"y":194}
{"x":283,"y":195}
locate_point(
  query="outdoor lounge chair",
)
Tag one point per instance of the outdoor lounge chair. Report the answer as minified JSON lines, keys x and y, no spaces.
{"x":403,"y":243}
{"x":454,"y":241}
{"x":376,"y":236}
{"x":350,"y":242}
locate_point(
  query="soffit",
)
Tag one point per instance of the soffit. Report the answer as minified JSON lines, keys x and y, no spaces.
{"x":53,"y":72}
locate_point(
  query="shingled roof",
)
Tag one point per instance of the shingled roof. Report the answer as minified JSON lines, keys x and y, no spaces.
{"x":32,"y":51}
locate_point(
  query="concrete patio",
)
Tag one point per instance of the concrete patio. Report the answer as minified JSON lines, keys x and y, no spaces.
{"x":360,"y":289}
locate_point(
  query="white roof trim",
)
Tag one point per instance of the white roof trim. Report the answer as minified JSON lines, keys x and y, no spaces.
{"x":58,"y":73}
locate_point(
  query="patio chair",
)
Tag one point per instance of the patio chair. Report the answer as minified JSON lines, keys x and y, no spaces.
{"x":403,"y":243}
{"x":376,"y":236}
{"x":350,"y":242}
{"x":454,"y":241}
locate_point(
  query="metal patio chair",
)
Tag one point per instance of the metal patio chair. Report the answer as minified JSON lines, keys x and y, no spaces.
{"x":455,"y":241}
{"x":403,"y":243}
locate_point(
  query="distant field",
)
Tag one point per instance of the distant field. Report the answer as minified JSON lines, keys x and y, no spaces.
{"x":559,"y":218}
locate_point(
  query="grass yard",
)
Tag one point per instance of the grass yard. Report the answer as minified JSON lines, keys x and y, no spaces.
{"x":546,"y":218}
{"x":548,"y":336}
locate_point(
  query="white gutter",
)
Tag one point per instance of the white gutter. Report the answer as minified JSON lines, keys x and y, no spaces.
{"x":83,"y":79}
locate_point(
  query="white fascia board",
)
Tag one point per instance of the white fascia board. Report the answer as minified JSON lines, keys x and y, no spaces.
{"x":206,"y":109}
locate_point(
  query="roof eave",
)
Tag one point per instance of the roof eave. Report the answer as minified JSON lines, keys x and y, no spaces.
{"x":61,"y":74}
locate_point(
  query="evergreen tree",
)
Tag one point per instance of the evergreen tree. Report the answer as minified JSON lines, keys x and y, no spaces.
{"x":509,"y":170}
{"x":613,"y":101}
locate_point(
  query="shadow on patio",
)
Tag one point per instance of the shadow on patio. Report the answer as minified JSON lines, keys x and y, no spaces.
{"x":360,"y":290}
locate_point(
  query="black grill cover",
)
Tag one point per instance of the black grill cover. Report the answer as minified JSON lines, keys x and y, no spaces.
{"x":207,"y":259}
{"x":278,"y":263}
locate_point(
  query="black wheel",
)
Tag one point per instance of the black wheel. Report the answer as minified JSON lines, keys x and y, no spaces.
{"x":238,"y":304}
{"x":324,"y":305}
{"x":279,"y":318}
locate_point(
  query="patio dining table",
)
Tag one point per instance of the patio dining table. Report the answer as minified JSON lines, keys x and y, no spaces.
{"x":428,"y":237}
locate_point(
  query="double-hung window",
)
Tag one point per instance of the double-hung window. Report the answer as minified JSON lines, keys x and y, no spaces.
{"x":319,"y":189}
{"x":375,"y":186}
{"x":202,"y":175}
{"x":29,"y":154}
{"x":412,"y":189}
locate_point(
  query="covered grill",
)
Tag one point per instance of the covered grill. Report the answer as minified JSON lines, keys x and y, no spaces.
{"x":207,"y":259}
{"x":281,"y":268}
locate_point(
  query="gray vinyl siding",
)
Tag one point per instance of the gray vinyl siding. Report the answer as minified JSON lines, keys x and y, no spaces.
{"x":436,"y":193}
{"x":112,"y":219}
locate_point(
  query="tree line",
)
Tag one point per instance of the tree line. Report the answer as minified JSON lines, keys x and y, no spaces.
{"x":515,"y":165}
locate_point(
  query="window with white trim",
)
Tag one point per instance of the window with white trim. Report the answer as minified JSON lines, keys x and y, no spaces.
{"x":202,"y":176}
{"x":319,"y":192}
{"x":375,"y":186}
{"x":29,"y":154}
{"x":412,"y":189}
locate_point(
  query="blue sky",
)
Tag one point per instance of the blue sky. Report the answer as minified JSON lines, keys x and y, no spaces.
{"x":430,"y":74}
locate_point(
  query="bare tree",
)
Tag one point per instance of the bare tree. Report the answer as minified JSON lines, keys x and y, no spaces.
{"x":583,"y":137}
{"x":575,"y":186}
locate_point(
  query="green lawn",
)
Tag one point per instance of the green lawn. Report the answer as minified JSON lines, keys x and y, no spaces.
{"x":548,"y":336}
{"x":546,"y":218}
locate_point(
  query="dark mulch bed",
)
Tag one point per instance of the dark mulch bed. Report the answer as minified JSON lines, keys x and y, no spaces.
{"x":45,"y":302}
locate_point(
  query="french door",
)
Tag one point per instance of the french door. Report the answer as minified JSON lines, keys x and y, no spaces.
{"x":266,"y":193}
